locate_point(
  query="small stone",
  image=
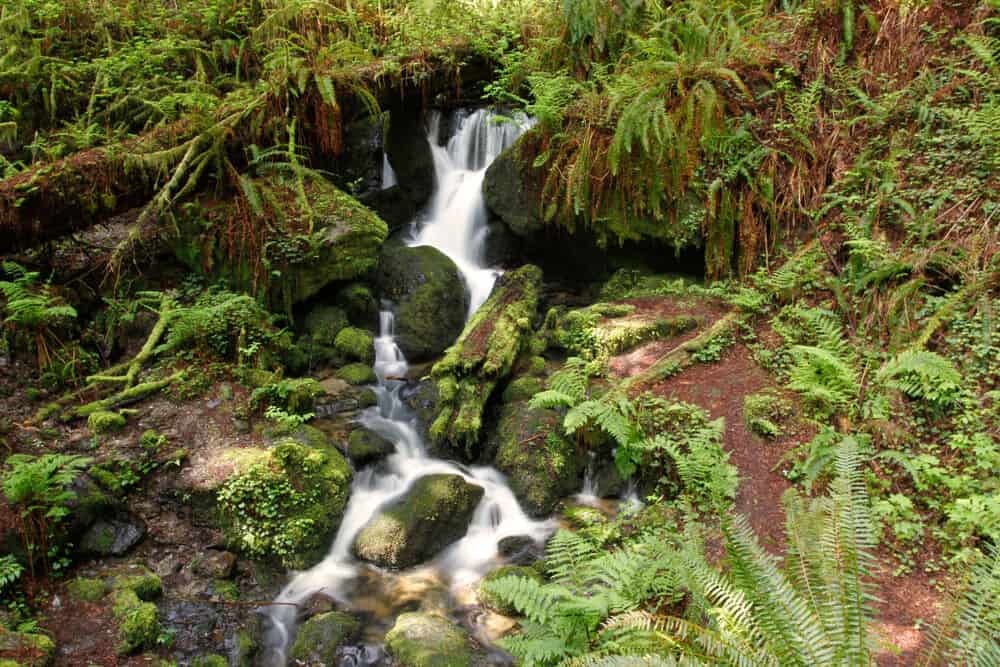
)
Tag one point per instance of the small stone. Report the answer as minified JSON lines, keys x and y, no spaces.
{"x":113,"y":537}
{"x":216,"y":564}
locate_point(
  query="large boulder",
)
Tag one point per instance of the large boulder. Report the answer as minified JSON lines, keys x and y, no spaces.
{"x":358,"y":168}
{"x":512,"y":193}
{"x":318,"y":639}
{"x":365,"y":447}
{"x":434,"y":513}
{"x":428,"y":640}
{"x":409,"y":155}
{"x":540,"y":462}
{"x":430,"y":298}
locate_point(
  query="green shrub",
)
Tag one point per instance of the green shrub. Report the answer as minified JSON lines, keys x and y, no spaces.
{"x":357,"y":374}
{"x":764,"y":412}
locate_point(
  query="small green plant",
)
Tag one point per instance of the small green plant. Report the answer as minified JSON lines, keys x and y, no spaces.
{"x":923,"y":376}
{"x":764,"y":413}
{"x":32,"y":309}
{"x":287,"y":421}
{"x":10,"y":571}
{"x":39,"y":488}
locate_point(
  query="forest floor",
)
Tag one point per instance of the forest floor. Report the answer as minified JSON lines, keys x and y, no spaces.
{"x":907,"y":605}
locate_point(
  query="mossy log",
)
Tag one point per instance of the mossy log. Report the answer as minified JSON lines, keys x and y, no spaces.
{"x":483,"y":355}
{"x":682,"y":356}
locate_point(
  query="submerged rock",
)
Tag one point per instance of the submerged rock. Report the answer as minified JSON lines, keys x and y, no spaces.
{"x":540,"y":462}
{"x":427,"y":640}
{"x":318,"y":638}
{"x":434,"y":513}
{"x":430,"y":297}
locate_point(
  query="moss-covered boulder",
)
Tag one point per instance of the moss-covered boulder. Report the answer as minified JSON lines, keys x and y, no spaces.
{"x":430,"y":298}
{"x":428,"y":640}
{"x":318,"y":638}
{"x":357,"y":373}
{"x":329,"y":237}
{"x":323,"y":322}
{"x":365,"y":447}
{"x":113,"y":536}
{"x":359,"y":302}
{"x":512,"y":193}
{"x":491,"y":601}
{"x":287,"y":504}
{"x":541,"y":463}
{"x":484,"y":355}
{"x":434,"y":513}
{"x":36,"y":650}
{"x":356,"y":344}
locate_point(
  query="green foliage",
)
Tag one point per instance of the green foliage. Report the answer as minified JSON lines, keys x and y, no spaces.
{"x":103,"y":421}
{"x":10,"y":572}
{"x":35,"y":311}
{"x":764,"y":412}
{"x":138,"y":622}
{"x":923,"y":376}
{"x":220,"y":323}
{"x":823,"y":378}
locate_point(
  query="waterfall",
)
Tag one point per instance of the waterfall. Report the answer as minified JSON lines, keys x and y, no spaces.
{"x":388,"y":175}
{"x":456,"y":226}
{"x":455,"y":222}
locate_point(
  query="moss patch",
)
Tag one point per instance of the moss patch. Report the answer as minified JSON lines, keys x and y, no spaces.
{"x":357,"y":374}
{"x":356,"y":344}
{"x":104,"y":421}
{"x":138,"y":622}
{"x":319,"y":637}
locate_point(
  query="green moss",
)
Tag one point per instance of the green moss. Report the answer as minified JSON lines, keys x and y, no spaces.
{"x":103,"y":421}
{"x":522,"y":389}
{"x":356,"y":344}
{"x":490,"y":601}
{"x":536,"y":365}
{"x":226,"y":589}
{"x":138,"y":622}
{"x":318,"y":638}
{"x":360,"y":303}
{"x":425,"y":640}
{"x":287,"y":505}
{"x":34,"y":649}
{"x":323,"y":323}
{"x":137,"y":579}
{"x":209,"y":661}
{"x":87,"y":589}
{"x":357,"y":374}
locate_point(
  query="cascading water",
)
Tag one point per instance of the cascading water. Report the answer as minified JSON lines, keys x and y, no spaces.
{"x":455,"y":222}
{"x":456,"y":225}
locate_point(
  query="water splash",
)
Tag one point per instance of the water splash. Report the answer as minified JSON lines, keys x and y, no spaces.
{"x":455,"y":221}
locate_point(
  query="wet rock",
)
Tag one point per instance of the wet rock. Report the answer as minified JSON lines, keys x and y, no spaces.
{"x":215,"y":564}
{"x":422,"y":398}
{"x":359,"y":166}
{"x":426,"y":640}
{"x":609,"y":482}
{"x":318,"y":638}
{"x":394,"y":205}
{"x":410,"y":155}
{"x":196,"y":626}
{"x":342,"y":397}
{"x":432,"y":514}
{"x":318,"y":603}
{"x":502,"y":247}
{"x":540,"y":462}
{"x":323,"y":323}
{"x":113,"y":536}
{"x":512,"y":193}
{"x":493,"y":602}
{"x":520,"y":550}
{"x":365,"y":447}
{"x":430,"y":298}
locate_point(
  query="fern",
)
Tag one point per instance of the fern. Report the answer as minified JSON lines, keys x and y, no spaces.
{"x":923,"y":375}
{"x":33,"y":309}
{"x":824,"y":379}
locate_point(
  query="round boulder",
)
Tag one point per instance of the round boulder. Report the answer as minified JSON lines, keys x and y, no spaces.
{"x":430,"y":297}
{"x":434,"y":513}
{"x":427,"y":640}
{"x":319,"y":637}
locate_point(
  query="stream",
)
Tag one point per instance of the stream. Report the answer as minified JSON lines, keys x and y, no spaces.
{"x":455,"y":223}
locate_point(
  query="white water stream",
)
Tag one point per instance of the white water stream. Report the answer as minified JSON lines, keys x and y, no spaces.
{"x":456,"y":224}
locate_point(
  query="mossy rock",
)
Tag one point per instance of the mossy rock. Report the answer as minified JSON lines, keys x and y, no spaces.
{"x":490,"y":601}
{"x":104,"y":421}
{"x":359,"y":302}
{"x":541,"y":463}
{"x":344,"y":242}
{"x":87,"y":589}
{"x":430,"y":298}
{"x":138,"y":622}
{"x":432,"y":514}
{"x":323,"y":323}
{"x":305,"y":434}
{"x":357,"y":374}
{"x":427,"y":640}
{"x":356,"y":344}
{"x":214,"y":660}
{"x":318,"y":638}
{"x":36,"y":650}
{"x":365,"y":447}
{"x":287,"y":505}
{"x":512,"y":194}
{"x":522,"y":389}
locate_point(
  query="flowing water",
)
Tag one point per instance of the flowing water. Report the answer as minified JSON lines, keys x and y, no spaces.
{"x":456,"y":224}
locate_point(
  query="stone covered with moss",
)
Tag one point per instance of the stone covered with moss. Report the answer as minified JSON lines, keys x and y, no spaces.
{"x":357,"y":374}
{"x":105,"y":421}
{"x":484,"y":355}
{"x":428,"y":640}
{"x":287,"y":504}
{"x":541,"y":463}
{"x":33,"y":649}
{"x":365,"y":447}
{"x":360,"y":304}
{"x":356,"y":344}
{"x":318,"y":638}
{"x":429,"y":296}
{"x":605,"y":329}
{"x":432,"y":514}
{"x":332,"y":238}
